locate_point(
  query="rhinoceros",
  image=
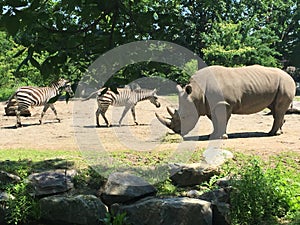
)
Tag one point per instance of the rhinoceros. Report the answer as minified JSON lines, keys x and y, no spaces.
{"x":217,"y":92}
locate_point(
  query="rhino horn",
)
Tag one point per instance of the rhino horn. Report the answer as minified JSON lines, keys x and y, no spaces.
{"x":163,"y":120}
{"x":170,"y":111}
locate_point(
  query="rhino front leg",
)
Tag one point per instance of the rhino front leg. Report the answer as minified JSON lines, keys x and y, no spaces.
{"x":220,"y":116}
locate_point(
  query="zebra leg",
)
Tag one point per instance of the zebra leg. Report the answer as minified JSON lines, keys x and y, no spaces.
{"x":46,"y":106}
{"x":133,"y":114}
{"x":98,"y":112}
{"x":54,"y":110}
{"x":124,"y":113}
{"x":18,"y":115}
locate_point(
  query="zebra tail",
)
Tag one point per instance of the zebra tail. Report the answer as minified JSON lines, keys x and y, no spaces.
{"x":90,"y":96}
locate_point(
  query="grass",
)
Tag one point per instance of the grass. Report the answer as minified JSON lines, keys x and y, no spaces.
{"x":297,"y":98}
{"x":282,"y":177}
{"x":37,"y":160}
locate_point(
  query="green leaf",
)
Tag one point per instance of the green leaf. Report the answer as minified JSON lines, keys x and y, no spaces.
{"x":155,"y":16}
{"x":19,"y":53}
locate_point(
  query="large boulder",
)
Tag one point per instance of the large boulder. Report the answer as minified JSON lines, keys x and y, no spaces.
{"x":51,"y":182}
{"x":191,"y":174}
{"x":125,"y":187}
{"x":4,"y":197}
{"x":81,"y":209}
{"x":168,"y":211}
{"x":8,"y":178}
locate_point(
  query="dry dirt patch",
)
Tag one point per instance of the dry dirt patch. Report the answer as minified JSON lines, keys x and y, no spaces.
{"x":247,"y":133}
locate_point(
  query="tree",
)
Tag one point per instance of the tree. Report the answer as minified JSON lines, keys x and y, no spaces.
{"x":239,"y":44}
{"x":62,"y":37}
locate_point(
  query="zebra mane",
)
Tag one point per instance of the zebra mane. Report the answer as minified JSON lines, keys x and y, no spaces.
{"x":148,"y":91}
{"x":61,"y":83}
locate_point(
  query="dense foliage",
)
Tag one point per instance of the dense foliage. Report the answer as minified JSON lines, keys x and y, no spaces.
{"x":47,"y":39}
{"x":263,"y":193}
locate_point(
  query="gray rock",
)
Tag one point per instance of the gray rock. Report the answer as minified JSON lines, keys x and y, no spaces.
{"x":216,"y":157}
{"x":4,"y":197}
{"x":221,"y":213}
{"x":2,"y":214}
{"x":81,"y":209}
{"x":220,"y":205}
{"x":51,"y":182}
{"x":125,"y":187}
{"x":191,"y":174}
{"x":8,"y":178}
{"x":218,"y":195}
{"x":223,"y":182}
{"x":168,"y":211}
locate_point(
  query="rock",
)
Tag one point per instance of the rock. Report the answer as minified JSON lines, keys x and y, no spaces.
{"x":193,"y":194}
{"x":125,"y":187}
{"x":220,"y":205}
{"x":2,"y":214}
{"x":221,"y":213}
{"x":216,"y":157}
{"x":8,"y":178}
{"x":81,"y":209}
{"x":223,"y":182}
{"x":191,"y":174}
{"x":5,"y":197}
{"x":218,"y":195}
{"x":168,"y":211}
{"x":51,"y":182}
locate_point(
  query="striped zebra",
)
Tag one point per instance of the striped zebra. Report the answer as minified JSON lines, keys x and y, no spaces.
{"x":124,"y":97}
{"x":28,"y":96}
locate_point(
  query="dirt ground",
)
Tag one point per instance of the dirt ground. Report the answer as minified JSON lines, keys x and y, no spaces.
{"x":77,"y":131}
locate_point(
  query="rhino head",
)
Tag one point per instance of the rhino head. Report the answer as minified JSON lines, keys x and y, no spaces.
{"x":185,"y":118}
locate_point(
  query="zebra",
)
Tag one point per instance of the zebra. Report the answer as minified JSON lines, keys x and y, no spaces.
{"x":27,"y":96}
{"x":124,"y":97}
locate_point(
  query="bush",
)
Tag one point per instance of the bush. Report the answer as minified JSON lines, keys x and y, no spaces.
{"x":262,"y":196}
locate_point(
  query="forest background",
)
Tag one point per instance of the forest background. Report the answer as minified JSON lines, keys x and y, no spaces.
{"x":42,"y":40}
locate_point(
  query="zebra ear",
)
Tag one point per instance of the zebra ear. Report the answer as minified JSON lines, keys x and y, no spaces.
{"x":154,"y":91}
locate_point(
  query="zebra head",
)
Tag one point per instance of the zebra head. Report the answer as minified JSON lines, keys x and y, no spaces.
{"x":154,"y":98}
{"x":65,"y":85}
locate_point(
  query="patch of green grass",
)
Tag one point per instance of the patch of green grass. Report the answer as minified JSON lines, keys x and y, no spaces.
{"x":172,"y":98}
{"x":172,"y":138}
{"x":141,"y":158}
{"x":297,"y":98}
{"x":36,"y":160}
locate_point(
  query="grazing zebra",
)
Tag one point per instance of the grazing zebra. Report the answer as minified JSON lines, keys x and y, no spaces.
{"x":38,"y":96}
{"x":124,"y":97}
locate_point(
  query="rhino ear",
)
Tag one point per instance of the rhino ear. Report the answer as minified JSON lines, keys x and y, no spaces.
{"x":179,"y":88}
{"x":188,"y":89}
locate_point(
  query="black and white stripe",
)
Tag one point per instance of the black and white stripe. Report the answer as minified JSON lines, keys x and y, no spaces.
{"x":28,"y":96}
{"x":124,"y":97}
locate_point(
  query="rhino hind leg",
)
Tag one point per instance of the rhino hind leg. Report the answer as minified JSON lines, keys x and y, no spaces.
{"x":278,"y":112}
